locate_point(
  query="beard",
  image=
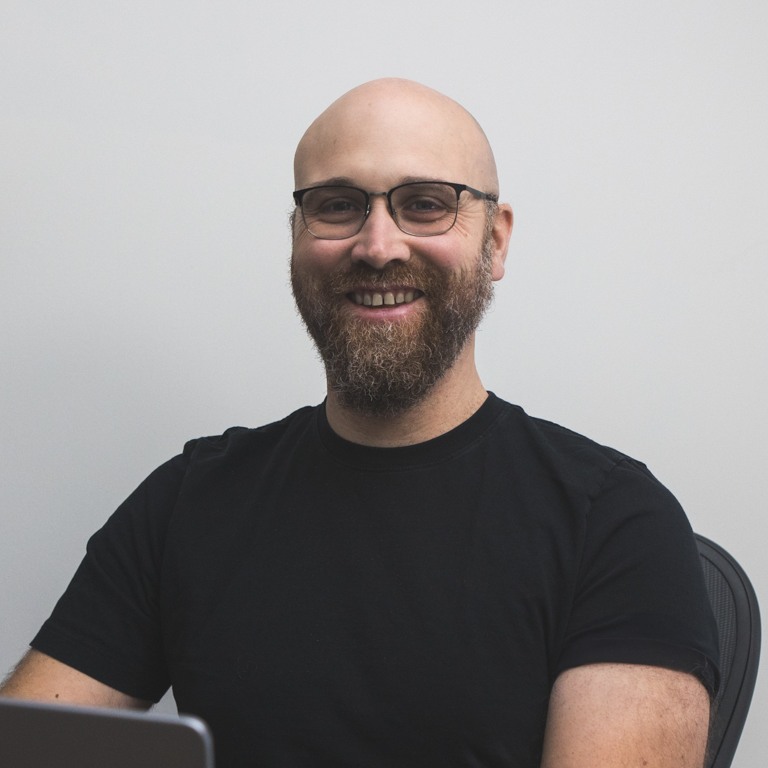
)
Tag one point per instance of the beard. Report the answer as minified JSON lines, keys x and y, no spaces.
{"x":383,"y":368}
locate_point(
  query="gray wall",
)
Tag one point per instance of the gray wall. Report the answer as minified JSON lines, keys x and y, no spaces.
{"x":145,"y":174}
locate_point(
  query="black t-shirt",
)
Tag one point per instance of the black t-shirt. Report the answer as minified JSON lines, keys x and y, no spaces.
{"x":321,"y":603}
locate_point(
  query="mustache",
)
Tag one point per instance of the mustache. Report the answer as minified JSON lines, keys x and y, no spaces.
{"x":348,"y":278}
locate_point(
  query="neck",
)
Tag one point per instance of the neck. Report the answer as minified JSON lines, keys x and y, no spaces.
{"x":449,"y":403}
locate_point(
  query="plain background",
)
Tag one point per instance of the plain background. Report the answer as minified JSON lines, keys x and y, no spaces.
{"x":145,"y":175}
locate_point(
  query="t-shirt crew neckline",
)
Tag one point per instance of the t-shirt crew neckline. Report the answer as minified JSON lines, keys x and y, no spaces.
{"x":438,"y":449}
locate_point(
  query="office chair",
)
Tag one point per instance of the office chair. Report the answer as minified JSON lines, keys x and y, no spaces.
{"x":738,"y":626}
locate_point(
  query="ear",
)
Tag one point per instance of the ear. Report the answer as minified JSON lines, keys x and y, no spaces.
{"x":500,"y":234}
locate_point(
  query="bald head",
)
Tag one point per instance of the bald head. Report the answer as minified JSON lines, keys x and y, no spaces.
{"x":390,"y":130}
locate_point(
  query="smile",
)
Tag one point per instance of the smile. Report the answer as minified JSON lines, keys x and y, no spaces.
{"x":384,"y":298}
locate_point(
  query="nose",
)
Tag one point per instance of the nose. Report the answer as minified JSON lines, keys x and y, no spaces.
{"x":380,"y":241}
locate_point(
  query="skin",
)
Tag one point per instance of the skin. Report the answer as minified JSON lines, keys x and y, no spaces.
{"x":376,"y":136}
{"x":38,"y":677}
{"x":625,"y":715}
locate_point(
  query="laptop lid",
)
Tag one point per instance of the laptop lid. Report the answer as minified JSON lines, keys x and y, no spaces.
{"x":34,"y":735}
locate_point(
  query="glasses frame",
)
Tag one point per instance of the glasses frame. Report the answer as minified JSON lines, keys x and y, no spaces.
{"x":298,"y":197}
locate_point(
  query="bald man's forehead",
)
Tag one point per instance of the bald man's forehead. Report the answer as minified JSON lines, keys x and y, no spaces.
{"x":395,"y":128}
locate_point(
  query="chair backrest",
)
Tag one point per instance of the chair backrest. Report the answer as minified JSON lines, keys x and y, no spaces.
{"x":738,"y":625}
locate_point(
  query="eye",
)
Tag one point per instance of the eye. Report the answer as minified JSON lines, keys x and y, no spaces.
{"x":333,"y":204}
{"x":425,"y":203}
{"x":423,"y":207}
{"x":337,"y":205}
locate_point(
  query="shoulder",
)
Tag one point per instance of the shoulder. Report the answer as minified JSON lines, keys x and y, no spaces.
{"x":215,"y":459}
{"x":548,"y":435}
{"x":553,"y":451}
{"x":237,"y":441}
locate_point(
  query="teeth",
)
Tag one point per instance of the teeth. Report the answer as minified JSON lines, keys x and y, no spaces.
{"x":386,"y":299}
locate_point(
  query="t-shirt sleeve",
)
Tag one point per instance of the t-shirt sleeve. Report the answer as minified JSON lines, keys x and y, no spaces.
{"x":640,"y":596}
{"x":107,"y":623}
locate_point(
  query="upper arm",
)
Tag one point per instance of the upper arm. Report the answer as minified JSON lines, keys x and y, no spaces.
{"x":39,"y":677}
{"x":625,"y":715}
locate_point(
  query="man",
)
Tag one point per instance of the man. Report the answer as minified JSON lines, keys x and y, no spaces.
{"x":415,"y":573}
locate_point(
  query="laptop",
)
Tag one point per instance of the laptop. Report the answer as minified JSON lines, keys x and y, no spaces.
{"x":34,"y":735}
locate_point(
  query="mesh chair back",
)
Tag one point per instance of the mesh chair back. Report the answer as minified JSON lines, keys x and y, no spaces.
{"x":738,"y":625}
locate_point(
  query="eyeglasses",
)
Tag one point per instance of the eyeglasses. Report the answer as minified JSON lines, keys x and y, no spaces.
{"x":420,"y":208}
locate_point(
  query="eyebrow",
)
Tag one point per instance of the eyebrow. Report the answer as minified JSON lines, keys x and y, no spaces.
{"x":346,"y":181}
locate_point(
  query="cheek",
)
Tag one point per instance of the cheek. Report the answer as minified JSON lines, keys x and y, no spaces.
{"x":311,"y":253}
{"x":460,"y":246}
{"x":451,"y":253}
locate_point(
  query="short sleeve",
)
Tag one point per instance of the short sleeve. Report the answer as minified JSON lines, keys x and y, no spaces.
{"x":107,"y":623}
{"x":640,"y":596}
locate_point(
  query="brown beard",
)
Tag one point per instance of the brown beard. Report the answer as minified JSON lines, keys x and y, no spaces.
{"x":383,"y":368}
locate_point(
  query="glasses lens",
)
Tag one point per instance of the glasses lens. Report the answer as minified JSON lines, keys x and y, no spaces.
{"x":425,"y":208}
{"x":333,"y":213}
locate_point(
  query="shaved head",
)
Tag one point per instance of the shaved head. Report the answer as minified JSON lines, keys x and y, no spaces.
{"x":391,"y":129}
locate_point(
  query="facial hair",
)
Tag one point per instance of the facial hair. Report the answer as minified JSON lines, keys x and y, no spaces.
{"x":383,"y":368}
